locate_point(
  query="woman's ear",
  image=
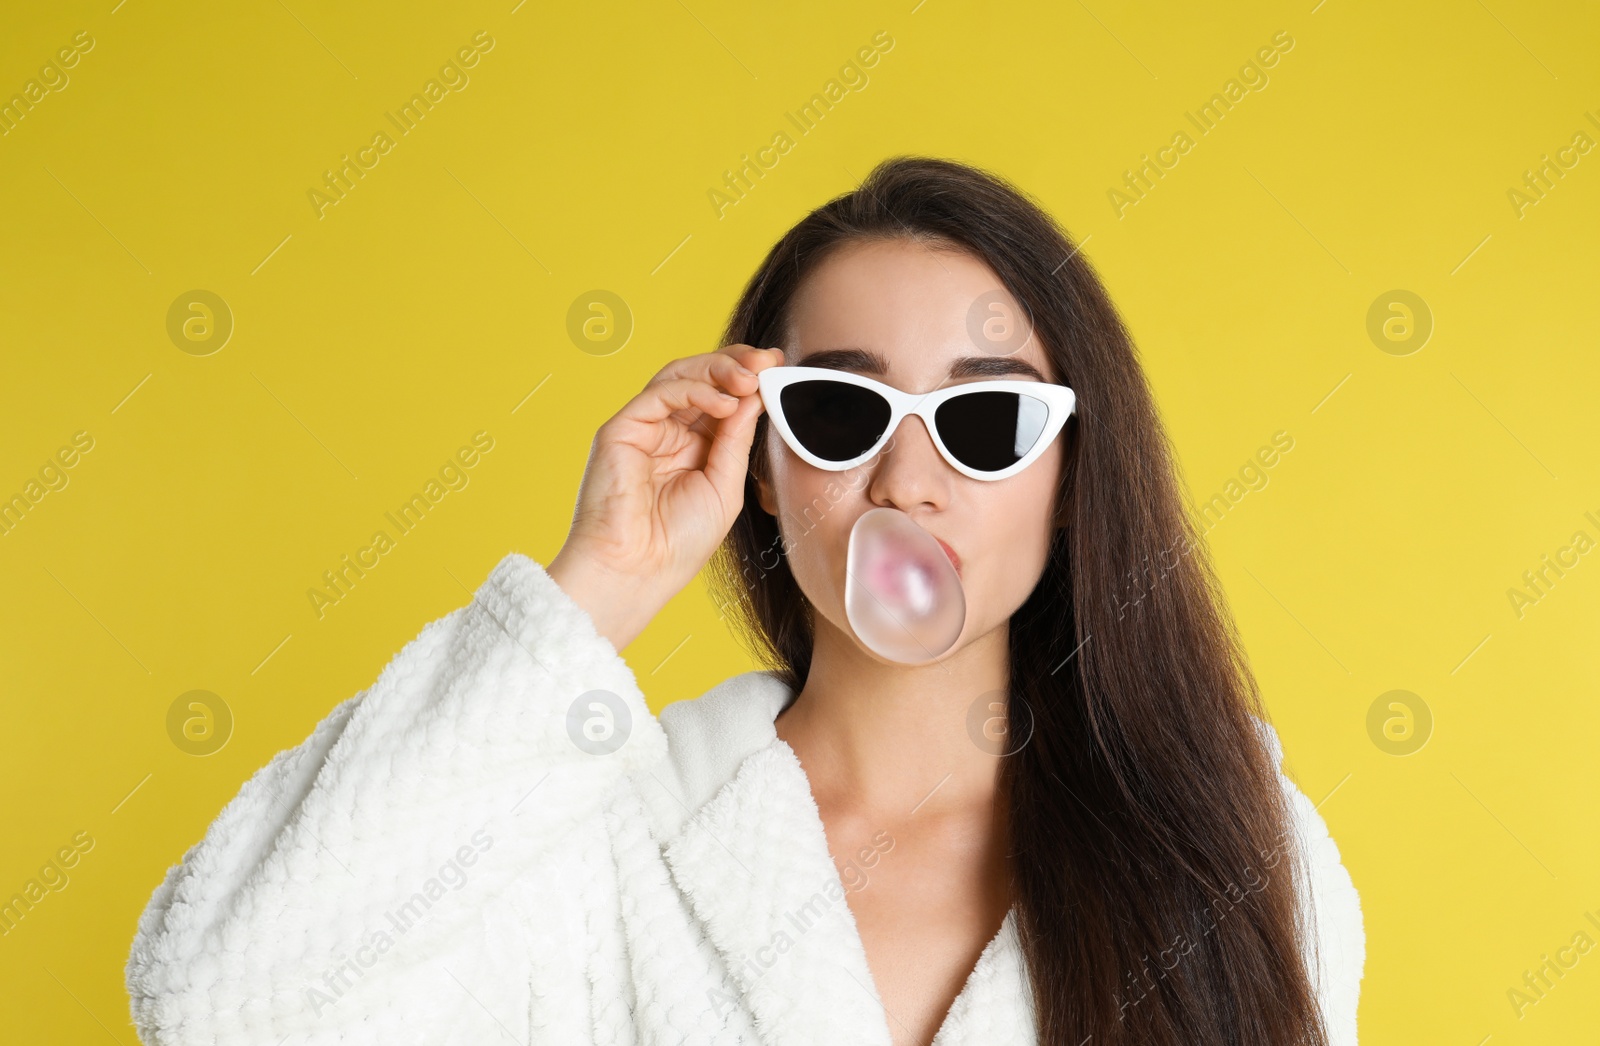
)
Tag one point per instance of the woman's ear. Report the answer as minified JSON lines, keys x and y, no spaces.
{"x":759,"y":465}
{"x":764,"y":497}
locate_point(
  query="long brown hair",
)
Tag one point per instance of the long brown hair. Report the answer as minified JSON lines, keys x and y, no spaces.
{"x":1153,"y":874}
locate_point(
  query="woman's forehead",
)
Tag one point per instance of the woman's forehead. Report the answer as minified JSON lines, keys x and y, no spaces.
{"x":915,"y":313}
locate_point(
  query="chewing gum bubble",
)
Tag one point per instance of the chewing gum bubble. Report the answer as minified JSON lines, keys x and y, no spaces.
{"x":902,"y":594}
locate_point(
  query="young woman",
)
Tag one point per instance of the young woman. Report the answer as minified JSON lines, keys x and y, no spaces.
{"x":1070,"y":827}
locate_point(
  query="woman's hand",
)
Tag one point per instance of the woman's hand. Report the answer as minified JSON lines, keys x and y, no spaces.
{"x":663,"y":485}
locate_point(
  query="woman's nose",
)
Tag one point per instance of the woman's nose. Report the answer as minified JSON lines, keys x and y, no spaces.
{"x":910,"y":470}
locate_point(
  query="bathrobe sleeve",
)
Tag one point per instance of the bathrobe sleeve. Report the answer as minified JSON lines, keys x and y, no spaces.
{"x":355,"y":890}
{"x":1336,"y":946}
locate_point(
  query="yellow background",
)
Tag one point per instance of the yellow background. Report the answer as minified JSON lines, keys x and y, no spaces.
{"x":375,"y":340}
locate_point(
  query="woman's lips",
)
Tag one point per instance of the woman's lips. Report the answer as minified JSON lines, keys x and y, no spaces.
{"x":955,"y":560}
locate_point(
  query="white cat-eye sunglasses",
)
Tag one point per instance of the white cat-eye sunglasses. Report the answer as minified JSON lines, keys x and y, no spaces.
{"x":987,"y":430}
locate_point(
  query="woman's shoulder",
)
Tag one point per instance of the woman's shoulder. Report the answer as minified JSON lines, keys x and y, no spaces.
{"x":1336,"y":946}
{"x":676,"y":760}
{"x":1307,"y":820}
{"x":709,"y":737}
{"x":1310,"y":831}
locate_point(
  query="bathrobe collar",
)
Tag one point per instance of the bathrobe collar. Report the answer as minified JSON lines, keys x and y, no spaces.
{"x":740,"y":830}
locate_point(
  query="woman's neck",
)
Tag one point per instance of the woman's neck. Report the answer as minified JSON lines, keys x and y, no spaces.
{"x":886,"y":740}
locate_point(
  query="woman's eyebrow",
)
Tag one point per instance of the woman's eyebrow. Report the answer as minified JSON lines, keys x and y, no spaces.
{"x":870,"y":362}
{"x":993,"y":367}
{"x":846,"y":359}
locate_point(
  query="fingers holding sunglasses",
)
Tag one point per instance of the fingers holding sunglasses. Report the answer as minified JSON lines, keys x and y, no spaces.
{"x":684,"y":399}
{"x":664,"y":482}
{"x":728,"y":458}
{"x":751,"y":359}
{"x":732,"y":368}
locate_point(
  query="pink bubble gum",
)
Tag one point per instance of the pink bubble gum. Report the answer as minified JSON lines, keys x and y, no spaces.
{"x":902,"y":595}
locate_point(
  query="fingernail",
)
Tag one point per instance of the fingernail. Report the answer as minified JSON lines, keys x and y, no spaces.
{"x":746,"y":370}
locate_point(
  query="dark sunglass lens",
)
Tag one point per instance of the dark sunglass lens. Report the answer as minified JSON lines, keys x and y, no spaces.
{"x":989,"y":431}
{"x":834,"y":420}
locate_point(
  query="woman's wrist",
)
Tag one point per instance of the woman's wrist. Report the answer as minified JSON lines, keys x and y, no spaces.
{"x":614,"y":603}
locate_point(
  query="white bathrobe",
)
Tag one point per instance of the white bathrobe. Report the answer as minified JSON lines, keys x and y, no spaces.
{"x":453,"y":857}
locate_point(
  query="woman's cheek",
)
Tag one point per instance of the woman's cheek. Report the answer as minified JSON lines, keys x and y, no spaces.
{"x":1014,"y":550}
{"x":811,"y":528}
